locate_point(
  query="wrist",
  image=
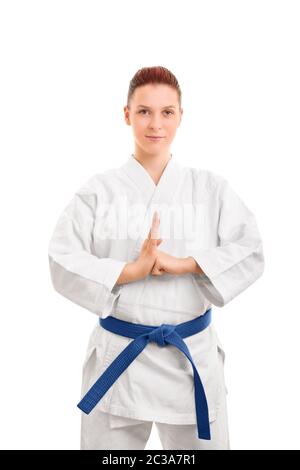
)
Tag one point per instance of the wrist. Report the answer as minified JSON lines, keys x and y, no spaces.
{"x":190,"y":265}
{"x":129,"y":274}
{"x":133,"y":271}
{"x":137,"y":270}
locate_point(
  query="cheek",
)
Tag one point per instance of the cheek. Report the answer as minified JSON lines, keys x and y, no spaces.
{"x":171,"y":128}
{"x":139,"y":126}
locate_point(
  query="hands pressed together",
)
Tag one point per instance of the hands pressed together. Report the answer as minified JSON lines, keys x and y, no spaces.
{"x":153,"y":261}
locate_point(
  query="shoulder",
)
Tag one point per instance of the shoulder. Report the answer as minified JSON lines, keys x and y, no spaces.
{"x":207,"y":180}
{"x":97,"y":182}
{"x":99,"y":187}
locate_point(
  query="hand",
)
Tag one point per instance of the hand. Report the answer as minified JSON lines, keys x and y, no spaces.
{"x":166,"y":263}
{"x":148,"y":253}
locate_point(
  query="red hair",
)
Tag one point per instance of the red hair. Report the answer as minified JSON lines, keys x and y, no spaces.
{"x":153,"y":75}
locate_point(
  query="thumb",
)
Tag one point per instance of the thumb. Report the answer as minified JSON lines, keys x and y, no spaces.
{"x":157,"y":272}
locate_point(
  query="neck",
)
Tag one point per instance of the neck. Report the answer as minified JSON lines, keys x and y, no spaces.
{"x":153,"y":163}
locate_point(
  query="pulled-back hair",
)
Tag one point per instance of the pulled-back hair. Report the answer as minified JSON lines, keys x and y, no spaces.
{"x":156,"y":74}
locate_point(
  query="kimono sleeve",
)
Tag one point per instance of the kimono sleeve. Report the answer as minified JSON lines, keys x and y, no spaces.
{"x":76,"y":272}
{"x":238,"y":259}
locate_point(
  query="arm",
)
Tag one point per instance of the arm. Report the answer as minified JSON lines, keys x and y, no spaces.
{"x":190,"y":265}
{"x":166,"y":263}
{"x":76,"y":272}
{"x":130,"y":273}
{"x":238,"y":259}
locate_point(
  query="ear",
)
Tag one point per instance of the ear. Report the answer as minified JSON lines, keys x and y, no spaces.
{"x":126,"y":115}
{"x":180,"y":116}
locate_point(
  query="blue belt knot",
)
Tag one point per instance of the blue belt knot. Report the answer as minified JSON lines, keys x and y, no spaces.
{"x":158,"y":335}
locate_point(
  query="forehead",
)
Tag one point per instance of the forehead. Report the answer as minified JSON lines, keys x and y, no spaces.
{"x":155,"y":95}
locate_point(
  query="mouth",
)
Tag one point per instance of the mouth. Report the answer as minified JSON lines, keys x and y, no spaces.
{"x":154,"y":137}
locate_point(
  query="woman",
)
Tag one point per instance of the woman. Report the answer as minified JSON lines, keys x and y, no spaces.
{"x":149,"y":248}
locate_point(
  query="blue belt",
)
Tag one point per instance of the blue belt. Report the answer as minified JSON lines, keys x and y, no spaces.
{"x":162,"y":335}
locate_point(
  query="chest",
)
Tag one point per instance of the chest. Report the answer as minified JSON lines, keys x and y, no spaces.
{"x":124,"y":217}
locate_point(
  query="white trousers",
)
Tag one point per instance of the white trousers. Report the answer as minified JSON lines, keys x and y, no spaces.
{"x":106,"y":431}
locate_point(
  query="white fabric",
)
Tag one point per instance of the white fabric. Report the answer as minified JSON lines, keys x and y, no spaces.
{"x":102,"y":431}
{"x":87,"y":255}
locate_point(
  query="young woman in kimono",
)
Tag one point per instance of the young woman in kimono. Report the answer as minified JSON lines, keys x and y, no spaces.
{"x":147,"y":247}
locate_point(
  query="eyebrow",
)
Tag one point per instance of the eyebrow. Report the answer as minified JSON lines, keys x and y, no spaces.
{"x":144,"y":106}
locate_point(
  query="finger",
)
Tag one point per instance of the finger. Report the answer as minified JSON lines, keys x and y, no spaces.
{"x":154,"y":223}
{"x":157,"y":272}
{"x":155,"y":219}
{"x":155,"y":226}
{"x":153,"y":232}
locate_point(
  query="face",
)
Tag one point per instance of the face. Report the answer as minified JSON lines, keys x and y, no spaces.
{"x":154,"y":111}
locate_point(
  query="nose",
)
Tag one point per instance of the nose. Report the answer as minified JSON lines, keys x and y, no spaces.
{"x":155,"y":122}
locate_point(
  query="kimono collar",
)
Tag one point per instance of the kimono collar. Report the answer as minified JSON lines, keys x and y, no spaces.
{"x":165,"y":189}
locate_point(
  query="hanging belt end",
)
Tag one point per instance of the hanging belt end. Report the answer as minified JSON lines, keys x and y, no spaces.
{"x":204,"y":434}
{"x":84,"y":407}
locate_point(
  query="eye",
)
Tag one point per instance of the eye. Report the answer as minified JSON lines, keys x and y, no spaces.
{"x":146,"y":111}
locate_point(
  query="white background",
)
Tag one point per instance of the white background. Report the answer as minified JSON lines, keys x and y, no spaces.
{"x":65,"y":71}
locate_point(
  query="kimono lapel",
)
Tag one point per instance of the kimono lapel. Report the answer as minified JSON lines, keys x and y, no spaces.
{"x":152,"y":194}
{"x":164,"y":191}
{"x":139,"y":177}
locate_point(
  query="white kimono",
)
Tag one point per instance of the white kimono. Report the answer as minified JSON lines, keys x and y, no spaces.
{"x":88,"y":251}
